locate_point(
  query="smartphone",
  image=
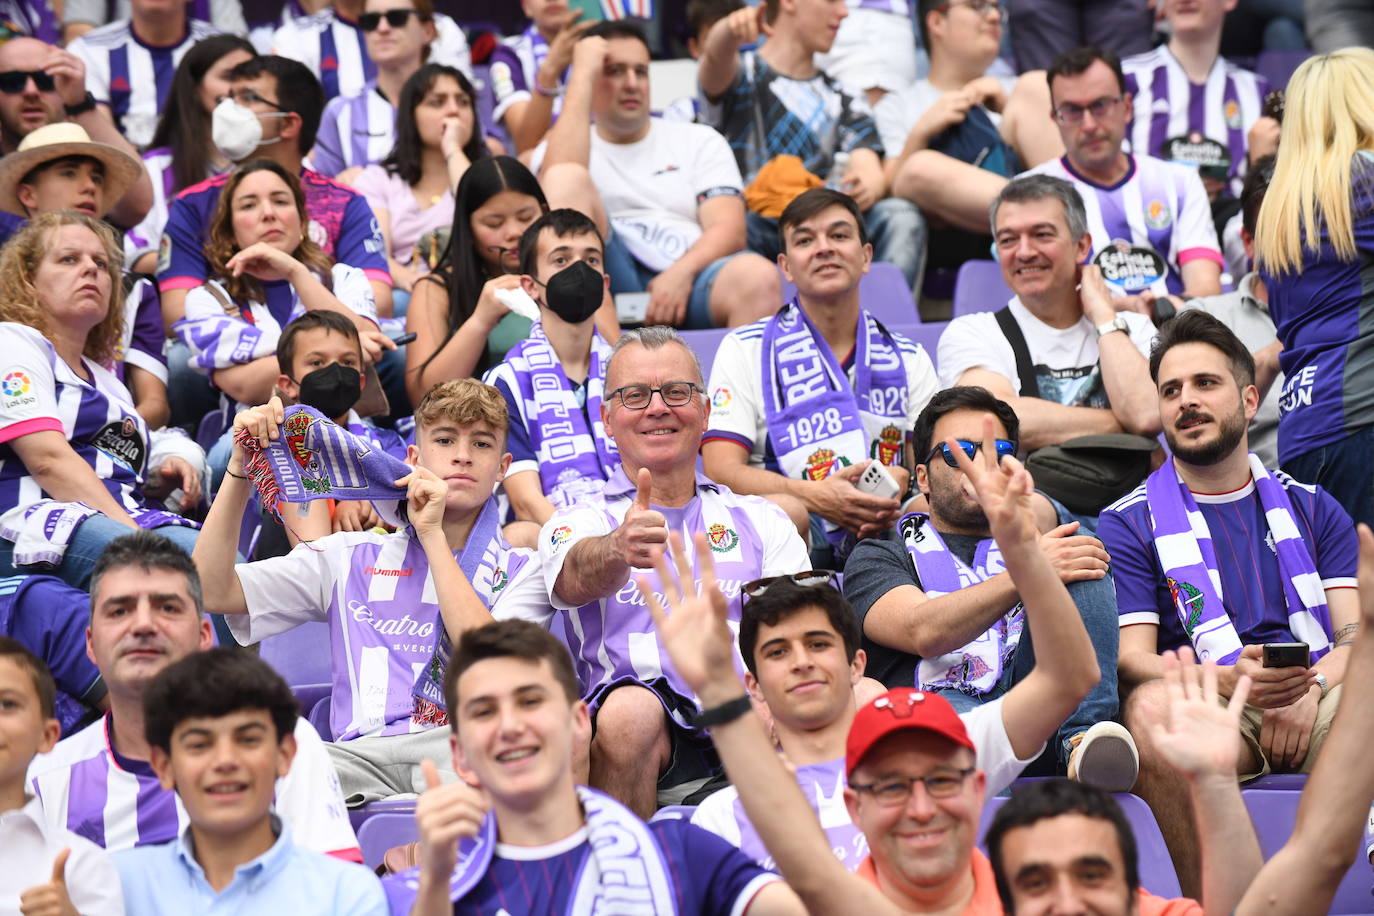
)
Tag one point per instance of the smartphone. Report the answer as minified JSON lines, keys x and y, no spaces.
{"x":877,"y":480}
{"x":1287,"y":655}
{"x":631,"y":308}
{"x":403,"y":339}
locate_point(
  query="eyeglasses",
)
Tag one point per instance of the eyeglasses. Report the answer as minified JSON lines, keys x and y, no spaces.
{"x":890,"y":793}
{"x":1004,"y":448}
{"x":369,"y":22}
{"x":674,"y":394}
{"x":977,"y":7}
{"x":13,"y":82}
{"x":809,"y":579}
{"x":1069,"y":113}
{"x":248,"y":97}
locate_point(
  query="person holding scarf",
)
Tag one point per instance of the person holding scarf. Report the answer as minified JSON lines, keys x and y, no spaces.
{"x":648,"y":731}
{"x":554,"y":380}
{"x":803,"y":401}
{"x":394,"y":602}
{"x":1218,"y":552}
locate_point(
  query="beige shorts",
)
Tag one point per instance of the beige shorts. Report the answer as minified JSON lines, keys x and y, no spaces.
{"x":1253,"y":718}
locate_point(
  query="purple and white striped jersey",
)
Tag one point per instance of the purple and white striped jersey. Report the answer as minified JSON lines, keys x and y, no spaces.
{"x":376,"y":594}
{"x":614,"y":637}
{"x":141,"y":344}
{"x":1157,"y":205}
{"x":354,"y":130}
{"x":92,"y":790}
{"x":144,"y":237}
{"x":39,"y":391}
{"x":334,"y":50}
{"x":131,"y":77}
{"x":1167,"y":105}
{"x":514,"y":64}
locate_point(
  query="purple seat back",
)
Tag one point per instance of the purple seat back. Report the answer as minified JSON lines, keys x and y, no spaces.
{"x":979,"y":288}
{"x":319,"y":717}
{"x":382,"y":831}
{"x":704,"y":345}
{"x":301,"y":654}
{"x":882,"y":290}
{"x":1273,"y":812}
{"x":927,"y":335}
{"x":1278,"y":66}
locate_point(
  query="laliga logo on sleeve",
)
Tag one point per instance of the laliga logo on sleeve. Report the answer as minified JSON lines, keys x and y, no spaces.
{"x":721,"y":398}
{"x":15,"y":384}
{"x":1129,"y":268}
{"x":560,"y":536}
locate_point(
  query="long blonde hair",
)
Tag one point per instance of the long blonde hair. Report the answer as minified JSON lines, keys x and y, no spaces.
{"x":19,"y":262}
{"x":1329,"y":118}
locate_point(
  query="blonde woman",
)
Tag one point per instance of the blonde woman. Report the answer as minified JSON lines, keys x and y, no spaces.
{"x":1314,"y":247}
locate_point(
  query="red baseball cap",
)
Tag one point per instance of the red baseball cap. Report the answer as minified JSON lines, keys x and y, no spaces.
{"x":899,"y":709}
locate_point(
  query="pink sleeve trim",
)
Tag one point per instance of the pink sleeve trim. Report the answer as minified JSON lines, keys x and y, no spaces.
{"x":172,"y":283}
{"x":1192,"y":254}
{"x":382,"y":276}
{"x":353,"y":854}
{"x":25,"y":427}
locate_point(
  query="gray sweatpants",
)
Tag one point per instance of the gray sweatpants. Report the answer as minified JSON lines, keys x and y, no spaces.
{"x":384,"y":767}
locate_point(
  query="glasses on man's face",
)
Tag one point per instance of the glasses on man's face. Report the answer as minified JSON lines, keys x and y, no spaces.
{"x":370,"y":22}
{"x":809,"y":579}
{"x":250,"y":97}
{"x":1004,"y":448}
{"x":1069,"y":113}
{"x":897,"y":790}
{"x":674,"y":394}
{"x":13,"y":82}
{"x":978,"y":7}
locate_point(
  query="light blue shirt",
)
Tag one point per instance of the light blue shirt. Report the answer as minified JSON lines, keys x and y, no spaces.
{"x":166,"y":878}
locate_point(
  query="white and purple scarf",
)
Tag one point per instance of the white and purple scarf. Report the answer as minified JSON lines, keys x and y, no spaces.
{"x":973,"y":669}
{"x":1189,"y":562}
{"x":42,"y":531}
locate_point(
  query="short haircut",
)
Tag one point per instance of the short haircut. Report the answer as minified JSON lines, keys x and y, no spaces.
{"x":34,"y":667}
{"x":1078,"y":60}
{"x":1049,"y":798}
{"x":213,"y":684}
{"x":960,"y":397}
{"x":463,"y":401}
{"x":298,"y":91}
{"x":702,"y":14}
{"x":923,"y":9}
{"x":1197,"y":326}
{"x":655,"y":337}
{"x":1252,"y":192}
{"x":148,"y":551}
{"x":620,"y":28}
{"x":328,"y":319}
{"x":785,"y":599}
{"x":1030,"y":188}
{"x":563,"y":222}
{"x":809,"y":203}
{"x":508,"y":639}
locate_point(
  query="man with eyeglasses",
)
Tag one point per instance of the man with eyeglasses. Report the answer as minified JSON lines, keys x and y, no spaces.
{"x":941,"y":613}
{"x":648,"y":732}
{"x":1150,"y":220}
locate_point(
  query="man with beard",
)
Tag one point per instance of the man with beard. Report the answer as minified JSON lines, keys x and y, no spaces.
{"x":1216,"y":551}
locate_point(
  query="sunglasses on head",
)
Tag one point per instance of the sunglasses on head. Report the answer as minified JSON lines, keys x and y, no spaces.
{"x":809,"y":579}
{"x":1004,"y":448}
{"x":13,"y":82}
{"x":370,"y":22}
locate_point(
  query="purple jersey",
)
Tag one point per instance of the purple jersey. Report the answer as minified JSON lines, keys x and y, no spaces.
{"x":49,"y":617}
{"x":1251,"y":583}
{"x":513,"y":66}
{"x":341,"y":223}
{"x":30,"y":17}
{"x":355,"y":130}
{"x":143,"y":338}
{"x":1324,"y":314}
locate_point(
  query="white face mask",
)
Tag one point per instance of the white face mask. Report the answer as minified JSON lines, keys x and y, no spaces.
{"x":237,"y":130}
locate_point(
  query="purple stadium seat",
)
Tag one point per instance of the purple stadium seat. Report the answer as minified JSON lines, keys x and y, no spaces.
{"x":319,"y":717}
{"x":883,"y":291}
{"x":359,"y":816}
{"x":1291,"y":782}
{"x":307,"y":695}
{"x":380,"y":832}
{"x":210,"y":428}
{"x":979,"y":288}
{"x":1278,"y":66}
{"x":927,"y":335}
{"x":704,"y":344}
{"x":300,"y":655}
{"x":1274,"y":812}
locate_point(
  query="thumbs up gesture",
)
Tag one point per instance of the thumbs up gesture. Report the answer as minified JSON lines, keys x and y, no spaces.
{"x":50,"y":899}
{"x":644,"y":532}
{"x":444,"y":814}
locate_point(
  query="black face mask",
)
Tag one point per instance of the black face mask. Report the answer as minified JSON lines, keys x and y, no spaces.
{"x":331,"y":390}
{"x":575,"y":292}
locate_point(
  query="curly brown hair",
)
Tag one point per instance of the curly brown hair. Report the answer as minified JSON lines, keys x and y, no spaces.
{"x":222,"y":245}
{"x":19,"y":260}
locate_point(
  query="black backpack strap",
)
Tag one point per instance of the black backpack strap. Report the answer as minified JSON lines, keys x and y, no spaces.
{"x":1030,"y":388}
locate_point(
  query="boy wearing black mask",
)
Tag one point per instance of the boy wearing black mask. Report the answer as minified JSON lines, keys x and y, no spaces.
{"x":553,"y":382}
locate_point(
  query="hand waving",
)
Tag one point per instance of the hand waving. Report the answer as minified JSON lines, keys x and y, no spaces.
{"x":1003,"y":490}
{"x":1197,"y":735}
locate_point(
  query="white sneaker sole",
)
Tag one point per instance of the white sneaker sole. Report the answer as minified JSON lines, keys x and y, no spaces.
{"x":1107,"y":758}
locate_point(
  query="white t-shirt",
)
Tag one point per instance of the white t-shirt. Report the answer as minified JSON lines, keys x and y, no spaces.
{"x":897,"y":112}
{"x":1065,"y":359}
{"x":31,"y":844}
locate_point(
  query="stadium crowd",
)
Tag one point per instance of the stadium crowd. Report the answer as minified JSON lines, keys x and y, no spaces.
{"x":441,"y":474}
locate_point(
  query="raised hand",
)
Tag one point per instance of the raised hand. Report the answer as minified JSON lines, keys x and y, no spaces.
{"x":693,"y":627}
{"x":426,"y":497}
{"x":263,"y":422}
{"x":444,"y":814}
{"x":265,"y":262}
{"x":50,"y":899}
{"x":640,"y":538}
{"x":1196,"y":734}
{"x":1002,"y":488}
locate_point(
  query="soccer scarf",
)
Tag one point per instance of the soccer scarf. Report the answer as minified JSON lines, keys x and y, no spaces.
{"x":625,"y":873}
{"x":816,"y":422}
{"x":42,"y":531}
{"x":575,"y":457}
{"x":1190,"y":565}
{"x":975,"y":668}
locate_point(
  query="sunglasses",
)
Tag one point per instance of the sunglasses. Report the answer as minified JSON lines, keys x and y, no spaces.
{"x":13,"y":82}
{"x":1004,"y":448}
{"x":370,"y":22}
{"x":811,"y":578}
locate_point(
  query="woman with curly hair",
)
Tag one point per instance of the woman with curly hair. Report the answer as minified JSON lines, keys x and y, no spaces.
{"x":74,"y":451}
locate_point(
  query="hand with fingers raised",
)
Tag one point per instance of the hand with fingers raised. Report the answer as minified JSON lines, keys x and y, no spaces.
{"x":444,"y":814}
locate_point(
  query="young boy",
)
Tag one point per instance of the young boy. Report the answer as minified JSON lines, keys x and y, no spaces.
{"x":82,"y":875}
{"x":220,"y":724}
{"x":391,"y":600}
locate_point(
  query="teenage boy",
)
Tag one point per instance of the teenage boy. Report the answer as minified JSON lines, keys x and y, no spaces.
{"x":83,"y":877}
{"x":394,"y":602}
{"x":221,"y":726}
{"x":554,"y":380}
{"x":544,"y":844}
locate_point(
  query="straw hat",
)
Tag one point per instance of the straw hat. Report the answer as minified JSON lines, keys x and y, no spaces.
{"x":58,"y":141}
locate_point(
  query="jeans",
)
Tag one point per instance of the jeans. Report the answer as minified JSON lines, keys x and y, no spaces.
{"x":1096,"y":601}
{"x":1341,"y":469}
{"x":87,"y":544}
{"x":895,"y":227}
{"x":630,"y":276}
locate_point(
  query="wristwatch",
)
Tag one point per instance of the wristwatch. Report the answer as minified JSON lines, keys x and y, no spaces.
{"x":81,"y":107}
{"x":725,"y":712}
{"x":1322,"y":682}
{"x":1116,"y":324}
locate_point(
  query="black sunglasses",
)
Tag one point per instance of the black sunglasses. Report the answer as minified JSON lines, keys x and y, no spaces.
{"x":811,"y":578}
{"x":13,"y":82}
{"x":369,"y":22}
{"x":1004,"y":448}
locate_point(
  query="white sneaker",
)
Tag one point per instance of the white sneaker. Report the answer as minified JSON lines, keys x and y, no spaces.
{"x":1105,"y":756}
